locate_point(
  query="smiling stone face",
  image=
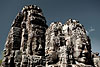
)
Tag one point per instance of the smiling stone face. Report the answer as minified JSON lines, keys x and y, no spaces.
{"x":75,"y":36}
{"x":81,"y":51}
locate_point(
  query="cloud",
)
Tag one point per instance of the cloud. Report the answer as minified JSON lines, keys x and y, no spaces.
{"x":91,"y":29}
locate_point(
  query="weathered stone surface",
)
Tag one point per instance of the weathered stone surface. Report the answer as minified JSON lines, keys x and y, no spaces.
{"x":53,"y":43}
{"x":31,"y":43}
{"x":77,"y":41}
{"x":25,"y":45}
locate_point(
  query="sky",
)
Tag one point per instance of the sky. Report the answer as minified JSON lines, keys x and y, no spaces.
{"x":86,"y":11}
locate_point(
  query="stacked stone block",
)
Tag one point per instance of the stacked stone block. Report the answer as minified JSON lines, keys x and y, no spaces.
{"x":31,"y":43}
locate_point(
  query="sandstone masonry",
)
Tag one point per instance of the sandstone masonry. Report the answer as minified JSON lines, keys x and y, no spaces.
{"x":31,"y":43}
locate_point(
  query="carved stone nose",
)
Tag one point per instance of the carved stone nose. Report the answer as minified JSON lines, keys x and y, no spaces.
{"x":85,"y":50}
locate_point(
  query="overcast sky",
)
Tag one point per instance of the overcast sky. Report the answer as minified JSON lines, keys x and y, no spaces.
{"x":86,"y":11}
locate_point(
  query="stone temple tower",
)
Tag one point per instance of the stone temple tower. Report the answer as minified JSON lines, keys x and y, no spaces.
{"x":31,"y":43}
{"x":25,"y":45}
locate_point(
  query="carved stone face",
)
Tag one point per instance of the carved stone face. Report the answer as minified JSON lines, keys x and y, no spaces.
{"x":81,"y":51}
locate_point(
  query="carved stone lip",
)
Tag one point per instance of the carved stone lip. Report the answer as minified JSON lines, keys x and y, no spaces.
{"x":84,"y":54}
{"x":83,"y":59}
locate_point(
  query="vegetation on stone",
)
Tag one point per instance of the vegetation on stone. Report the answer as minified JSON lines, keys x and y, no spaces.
{"x":0,"y":62}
